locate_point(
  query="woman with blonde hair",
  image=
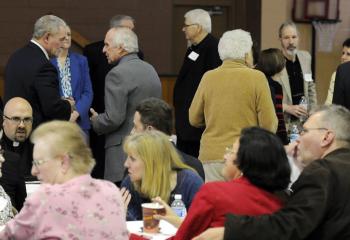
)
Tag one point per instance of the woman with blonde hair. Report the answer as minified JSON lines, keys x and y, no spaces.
{"x":155,"y":169}
{"x":70,"y":204}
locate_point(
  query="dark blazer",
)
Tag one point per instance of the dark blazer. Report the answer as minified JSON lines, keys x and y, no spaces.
{"x":81,"y":87}
{"x":187,"y":83}
{"x":341,"y":94}
{"x":319,"y":207}
{"x":30,"y":75}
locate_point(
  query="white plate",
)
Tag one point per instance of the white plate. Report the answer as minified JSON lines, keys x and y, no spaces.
{"x":166,"y":230}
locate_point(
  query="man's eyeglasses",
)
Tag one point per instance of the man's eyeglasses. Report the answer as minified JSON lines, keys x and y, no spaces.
{"x":304,"y":130}
{"x":18,"y":120}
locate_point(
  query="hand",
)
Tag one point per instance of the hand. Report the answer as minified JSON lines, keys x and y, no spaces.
{"x":71,"y":102}
{"x":74,"y":116}
{"x":170,"y":216}
{"x":296,"y":110}
{"x":94,"y":114}
{"x":126,"y":197}
{"x":211,"y":234}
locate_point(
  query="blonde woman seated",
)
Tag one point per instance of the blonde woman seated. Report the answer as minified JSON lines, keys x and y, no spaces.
{"x":155,"y":169}
{"x":5,"y":203}
{"x":261,"y":158}
{"x":69,"y":204}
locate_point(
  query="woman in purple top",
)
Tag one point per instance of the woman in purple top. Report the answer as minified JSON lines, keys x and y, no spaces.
{"x":69,"y":204}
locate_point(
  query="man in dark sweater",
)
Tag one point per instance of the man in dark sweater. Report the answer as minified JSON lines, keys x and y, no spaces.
{"x":200,"y":57}
{"x":154,"y":113}
{"x":319,"y":205}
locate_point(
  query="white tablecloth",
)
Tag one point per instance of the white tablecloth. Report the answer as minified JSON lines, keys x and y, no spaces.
{"x":32,"y":187}
{"x":166,"y":230}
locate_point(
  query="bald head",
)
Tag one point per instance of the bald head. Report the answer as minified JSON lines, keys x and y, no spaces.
{"x":17,"y":119}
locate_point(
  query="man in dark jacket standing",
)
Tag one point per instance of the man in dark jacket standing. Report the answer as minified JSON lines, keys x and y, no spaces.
{"x":200,"y":57}
{"x":30,"y":75}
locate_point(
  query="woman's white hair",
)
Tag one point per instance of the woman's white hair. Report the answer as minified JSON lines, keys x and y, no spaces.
{"x":200,"y":17}
{"x":235,"y":44}
{"x":127,"y":39}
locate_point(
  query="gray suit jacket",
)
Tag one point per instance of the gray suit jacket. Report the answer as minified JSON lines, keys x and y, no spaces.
{"x":309,"y":86}
{"x":128,"y":83}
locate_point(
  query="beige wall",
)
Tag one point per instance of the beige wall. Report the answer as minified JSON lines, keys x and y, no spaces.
{"x":274,"y":14}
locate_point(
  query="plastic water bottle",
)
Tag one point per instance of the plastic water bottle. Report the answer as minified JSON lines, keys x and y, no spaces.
{"x":303,"y":103}
{"x":294,"y":133}
{"x":178,"y":206}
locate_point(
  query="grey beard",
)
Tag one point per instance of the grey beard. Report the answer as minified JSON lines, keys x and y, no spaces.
{"x":292,"y":52}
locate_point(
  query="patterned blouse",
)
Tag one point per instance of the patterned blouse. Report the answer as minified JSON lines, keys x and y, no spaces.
{"x":65,"y":78}
{"x":5,"y":207}
{"x":82,"y":208}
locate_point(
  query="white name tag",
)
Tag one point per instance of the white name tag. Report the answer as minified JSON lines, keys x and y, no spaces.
{"x":308,"y":77}
{"x":193,"y":56}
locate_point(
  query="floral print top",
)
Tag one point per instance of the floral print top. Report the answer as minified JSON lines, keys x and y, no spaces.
{"x":82,"y":208}
{"x":5,"y":207}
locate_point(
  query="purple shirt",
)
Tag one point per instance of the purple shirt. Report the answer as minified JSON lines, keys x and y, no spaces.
{"x":82,"y":208}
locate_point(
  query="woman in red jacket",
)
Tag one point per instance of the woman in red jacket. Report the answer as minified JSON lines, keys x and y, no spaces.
{"x":259,"y":160}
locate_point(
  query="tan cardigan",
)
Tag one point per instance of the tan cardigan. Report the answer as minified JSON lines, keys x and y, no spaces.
{"x":229,"y":98}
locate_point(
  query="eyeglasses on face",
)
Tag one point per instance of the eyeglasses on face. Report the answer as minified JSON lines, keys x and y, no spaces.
{"x":304,"y":130}
{"x":38,"y":162}
{"x":230,"y":150}
{"x":18,"y":120}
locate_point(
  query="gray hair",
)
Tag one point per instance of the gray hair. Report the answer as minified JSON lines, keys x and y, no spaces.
{"x":47,"y":24}
{"x":235,"y":44}
{"x":117,"y":20}
{"x":287,"y":24}
{"x":126,"y":39}
{"x":200,"y":17}
{"x":335,"y":118}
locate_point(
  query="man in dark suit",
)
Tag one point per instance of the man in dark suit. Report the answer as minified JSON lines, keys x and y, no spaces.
{"x":128,"y":83}
{"x":341,"y":93}
{"x":99,"y":68}
{"x":30,"y":75}
{"x":319,"y":205}
{"x":154,"y":113}
{"x":17,"y":126}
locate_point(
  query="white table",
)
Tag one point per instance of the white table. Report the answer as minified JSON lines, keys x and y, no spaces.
{"x":32,"y":187}
{"x":166,"y":230}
